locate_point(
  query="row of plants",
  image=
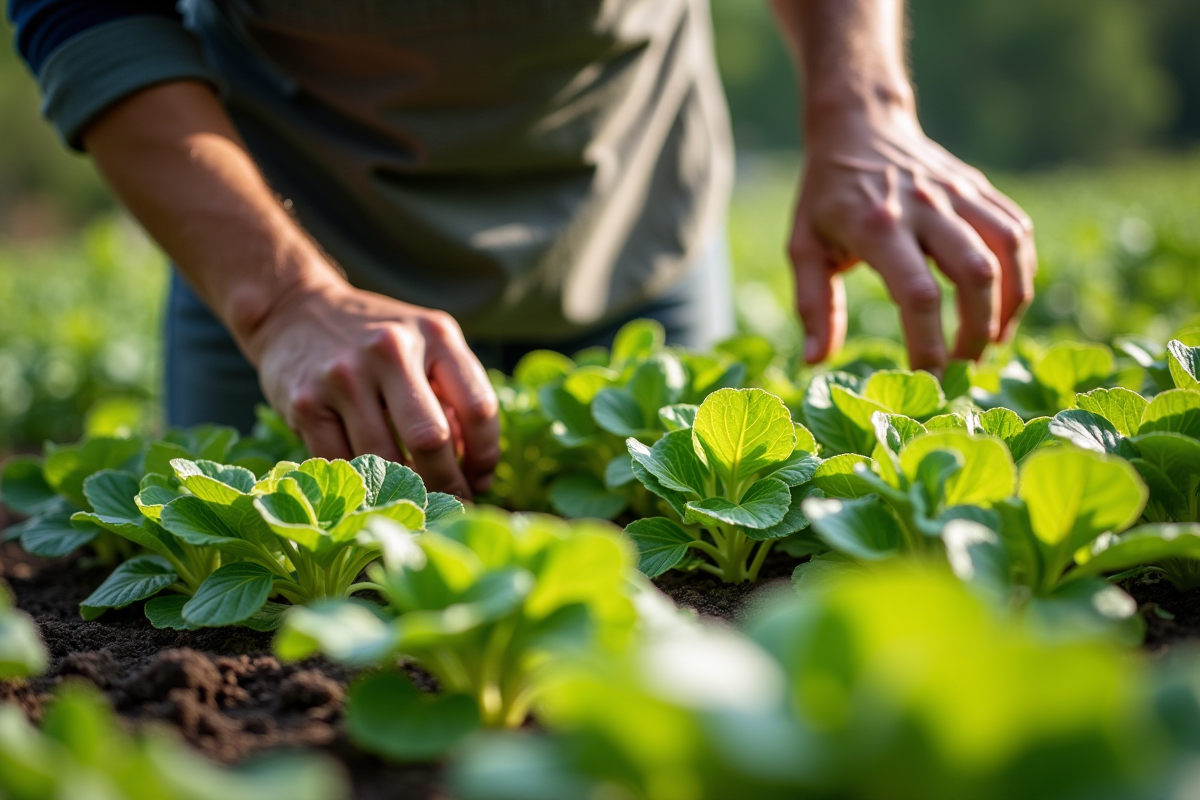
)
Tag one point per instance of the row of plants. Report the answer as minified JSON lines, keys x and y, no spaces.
{"x":927,"y":521}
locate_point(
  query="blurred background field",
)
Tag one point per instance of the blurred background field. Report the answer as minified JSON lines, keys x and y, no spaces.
{"x":1087,"y":112}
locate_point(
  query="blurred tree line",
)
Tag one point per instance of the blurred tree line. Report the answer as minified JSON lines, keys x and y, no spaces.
{"x":1003,"y":83}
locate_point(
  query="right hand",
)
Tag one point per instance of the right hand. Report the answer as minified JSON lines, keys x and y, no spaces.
{"x":351,"y":371}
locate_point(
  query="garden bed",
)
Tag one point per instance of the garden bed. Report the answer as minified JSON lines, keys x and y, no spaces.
{"x":222,"y":688}
{"x":229,"y":697}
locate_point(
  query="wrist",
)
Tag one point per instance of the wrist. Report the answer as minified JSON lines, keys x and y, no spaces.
{"x":832,"y":112}
{"x":252,"y":307}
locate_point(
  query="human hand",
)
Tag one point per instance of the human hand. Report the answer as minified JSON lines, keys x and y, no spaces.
{"x":877,"y":189}
{"x":354,"y":371}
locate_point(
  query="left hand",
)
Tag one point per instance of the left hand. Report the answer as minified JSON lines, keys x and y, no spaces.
{"x":877,"y":189}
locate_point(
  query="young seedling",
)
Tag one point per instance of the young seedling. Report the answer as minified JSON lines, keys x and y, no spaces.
{"x":734,"y":481}
{"x":483,"y":604}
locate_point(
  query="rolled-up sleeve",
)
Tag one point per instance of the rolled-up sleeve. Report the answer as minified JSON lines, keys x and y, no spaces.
{"x":87,"y":55}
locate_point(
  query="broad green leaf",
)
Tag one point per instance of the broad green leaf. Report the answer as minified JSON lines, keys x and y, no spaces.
{"x":348,"y":631}
{"x":833,"y":429}
{"x":660,"y":542}
{"x":805,"y":441}
{"x":742,"y":431}
{"x":893,"y":432}
{"x":402,"y":512}
{"x":441,"y":508}
{"x":637,"y":340}
{"x":166,"y":611}
{"x":386,"y":481}
{"x":764,"y":504}
{"x":572,"y":418}
{"x":673,"y":461}
{"x":956,"y":378}
{"x":446,"y":569}
{"x":161,"y":453}
{"x":587,"y":565}
{"x":111,"y":493}
{"x":799,"y":468}
{"x":945,"y":422}
{"x":616,"y":411}
{"x":1167,"y":502}
{"x":657,"y":382}
{"x":138,"y":578}
{"x":1120,"y":406}
{"x":1175,"y":455}
{"x":1070,"y":367}
{"x":66,"y":468}
{"x":540,"y":367}
{"x":342,"y":488}
{"x":861,"y":528}
{"x":1143,"y":546}
{"x":197,"y":523}
{"x":581,"y":494}
{"x":387,"y":715}
{"x":618,"y":472}
{"x":1184,"y":363}
{"x":1086,"y":430}
{"x":1175,"y":410}
{"x":676,"y":500}
{"x":53,"y":534}
{"x":1036,"y":434}
{"x":229,"y":595}
{"x":678,"y":417}
{"x":1073,"y":496}
{"x":1001,"y":423}
{"x":152,"y":499}
{"x":987,"y":474}
{"x":23,"y":487}
{"x":585,"y":383}
{"x":793,"y":522}
{"x":754,"y":351}
{"x":858,"y":410}
{"x":836,"y":477}
{"x":913,"y":394}
{"x":288,"y":513}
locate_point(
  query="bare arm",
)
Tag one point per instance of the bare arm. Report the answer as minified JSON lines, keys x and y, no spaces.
{"x":877,"y":189}
{"x":341,"y":364}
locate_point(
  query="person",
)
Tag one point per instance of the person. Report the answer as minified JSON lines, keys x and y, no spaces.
{"x":364,"y":198}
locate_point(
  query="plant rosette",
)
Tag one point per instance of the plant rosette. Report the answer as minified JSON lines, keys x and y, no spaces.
{"x":483,"y":604}
{"x":734,"y":480}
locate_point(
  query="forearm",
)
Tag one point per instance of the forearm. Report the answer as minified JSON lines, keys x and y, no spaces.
{"x":172,"y":156}
{"x":851,"y":57}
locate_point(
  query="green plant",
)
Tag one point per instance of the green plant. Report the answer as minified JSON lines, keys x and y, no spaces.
{"x":484,"y":604}
{"x":896,"y":681}
{"x":224,"y":543}
{"x":734,"y":480}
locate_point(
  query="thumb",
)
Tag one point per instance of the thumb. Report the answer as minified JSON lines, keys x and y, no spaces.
{"x":820,"y":298}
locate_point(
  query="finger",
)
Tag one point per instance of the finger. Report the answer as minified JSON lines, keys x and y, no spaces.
{"x":461,"y":382}
{"x":1008,"y":233}
{"x":364,"y":417}
{"x":975,"y":271}
{"x":899,"y":260}
{"x":820,"y":296}
{"x":320,"y":427}
{"x":415,"y":410}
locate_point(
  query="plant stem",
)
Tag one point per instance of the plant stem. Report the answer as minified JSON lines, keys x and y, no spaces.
{"x":759,"y":558}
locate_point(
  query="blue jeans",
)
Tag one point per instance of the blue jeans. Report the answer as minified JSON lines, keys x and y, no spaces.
{"x":209,"y":380}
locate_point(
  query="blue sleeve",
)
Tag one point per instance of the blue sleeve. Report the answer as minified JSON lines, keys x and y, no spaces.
{"x":88,"y":54}
{"x":44,"y":25}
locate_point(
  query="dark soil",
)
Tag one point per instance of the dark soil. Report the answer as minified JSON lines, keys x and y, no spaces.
{"x":1172,"y":617}
{"x":709,"y":596}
